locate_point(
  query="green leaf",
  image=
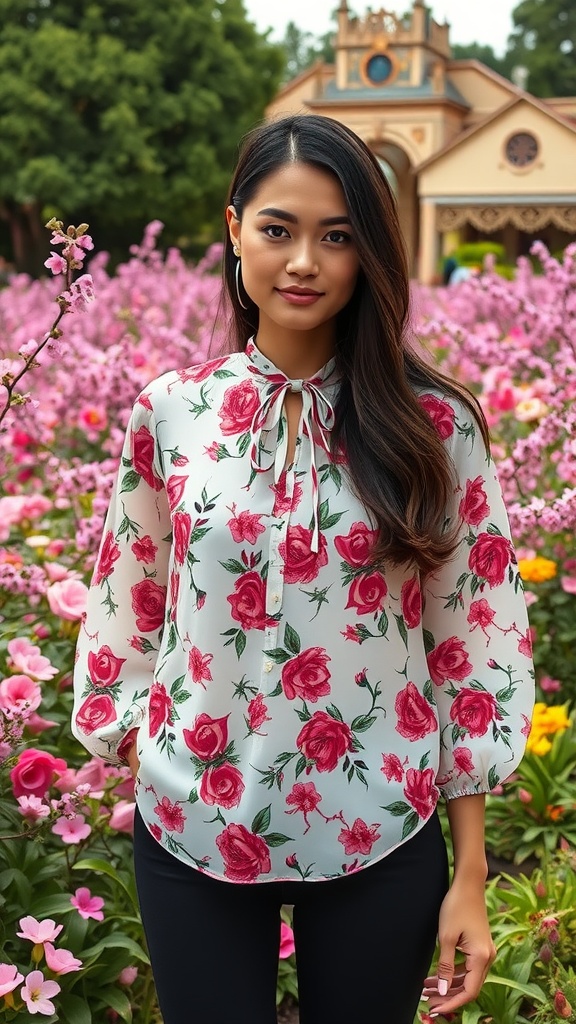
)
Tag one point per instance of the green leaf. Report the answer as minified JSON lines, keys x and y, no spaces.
{"x":240,"y":643}
{"x":234,"y":566}
{"x":291,"y":640}
{"x":130,"y":481}
{"x":362,"y":723}
{"x":118,"y":1000}
{"x":398,"y":808}
{"x":402,"y":629}
{"x":73,"y":1008}
{"x":531,"y":991}
{"x":279,"y":655}
{"x":410,"y":823}
{"x":115,"y":940}
{"x":261,"y":820}
{"x":429,"y":642}
{"x":276,"y":839}
{"x":95,"y":864}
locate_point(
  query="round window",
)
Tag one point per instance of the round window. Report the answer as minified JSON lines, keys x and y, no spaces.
{"x":379,"y":68}
{"x":521,"y":149}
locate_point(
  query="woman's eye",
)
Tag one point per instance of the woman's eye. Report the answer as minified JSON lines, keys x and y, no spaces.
{"x":274,"y":230}
{"x":338,"y":236}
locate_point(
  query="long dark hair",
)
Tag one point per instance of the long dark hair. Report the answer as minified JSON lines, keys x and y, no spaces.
{"x":397,"y":463}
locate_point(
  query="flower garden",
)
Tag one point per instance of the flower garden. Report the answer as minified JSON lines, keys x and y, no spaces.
{"x":73,"y":356}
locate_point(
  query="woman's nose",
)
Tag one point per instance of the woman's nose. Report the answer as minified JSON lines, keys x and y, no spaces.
{"x":303,"y":261}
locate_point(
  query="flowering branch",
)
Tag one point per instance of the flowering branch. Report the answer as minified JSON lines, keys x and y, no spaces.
{"x":74,"y":298}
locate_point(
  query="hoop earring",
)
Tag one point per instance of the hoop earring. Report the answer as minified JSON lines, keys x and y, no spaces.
{"x":237,"y":253}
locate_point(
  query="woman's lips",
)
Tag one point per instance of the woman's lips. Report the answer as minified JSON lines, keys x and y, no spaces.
{"x":296,"y":298}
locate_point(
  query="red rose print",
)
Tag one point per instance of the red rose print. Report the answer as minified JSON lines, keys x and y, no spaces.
{"x":282,"y":502}
{"x":411,"y":602}
{"x":208,"y":737}
{"x":449,"y":660}
{"x":97,"y":711}
{"x":248,"y":604}
{"x":367,"y":593}
{"x":480,"y":614}
{"x":175,"y":486}
{"x":202,"y":371}
{"x":356,"y":547}
{"x":306,"y":676}
{"x":416,"y":717}
{"x":301,"y":564}
{"x":490,"y":557}
{"x":159,"y":708}
{"x":474,"y":711}
{"x":34,"y":772}
{"x":171,"y":815}
{"x":525,"y":643}
{"x":324,"y":740}
{"x":198,"y":666}
{"x":304,"y":797}
{"x":474,"y":505}
{"x":109,"y":553}
{"x":149,"y":605}
{"x":441,"y":414}
{"x":104,"y":667}
{"x":222,"y":785}
{"x":174,"y":589}
{"x":245,"y":526}
{"x":144,"y":550}
{"x":257,"y":713}
{"x":181,"y":531}
{"x":156,"y":831}
{"x":143,"y":457}
{"x":392,"y":767}
{"x":463,"y":761}
{"x":245,"y":854}
{"x":360,"y":838}
{"x":240,"y":403}
{"x":420,"y":791}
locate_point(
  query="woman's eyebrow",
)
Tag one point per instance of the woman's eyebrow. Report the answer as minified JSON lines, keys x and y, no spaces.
{"x":271,"y":211}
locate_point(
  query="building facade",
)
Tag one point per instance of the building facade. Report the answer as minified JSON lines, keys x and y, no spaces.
{"x":469,"y":154}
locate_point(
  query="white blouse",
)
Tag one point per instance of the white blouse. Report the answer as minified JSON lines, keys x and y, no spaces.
{"x":299,"y":711}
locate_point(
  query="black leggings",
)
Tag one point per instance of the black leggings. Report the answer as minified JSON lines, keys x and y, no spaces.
{"x":364,"y":942}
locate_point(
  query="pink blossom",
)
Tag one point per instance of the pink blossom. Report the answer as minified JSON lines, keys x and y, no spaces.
{"x":36,"y":993}
{"x":67,"y":598}
{"x":19,"y":692}
{"x":39,"y":931}
{"x":10,"y":977}
{"x":81,"y":293}
{"x":56,"y":263}
{"x":36,"y":724}
{"x":87,"y":905}
{"x":198,"y":666}
{"x":33,"y":808}
{"x":72,"y":830}
{"x":287,"y":946}
{"x":60,"y":961}
{"x":34,"y":664}
{"x":568,"y":584}
{"x":122,"y":817}
{"x":549,"y":685}
{"x":128,"y":975}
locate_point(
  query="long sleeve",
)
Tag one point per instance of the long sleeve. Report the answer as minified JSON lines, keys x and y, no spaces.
{"x":476,"y":626}
{"x":119,"y":638}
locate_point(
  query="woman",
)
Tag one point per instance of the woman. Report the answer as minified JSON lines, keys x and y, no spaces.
{"x":306,"y":623}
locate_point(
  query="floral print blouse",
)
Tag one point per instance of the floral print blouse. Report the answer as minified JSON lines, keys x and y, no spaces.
{"x":299,"y":711}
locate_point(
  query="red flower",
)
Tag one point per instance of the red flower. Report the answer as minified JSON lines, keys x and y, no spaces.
{"x":463,"y":761}
{"x":240,"y":403}
{"x":480,"y":614}
{"x":171,"y":815}
{"x":367,"y":593}
{"x":248,"y":604}
{"x":416,"y":717}
{"x":474,"y":505}
{"x":392,"y":767}
{"x":198,"y":666}
{"x":144,"y":550}
{"x":97,"y":711}
{"x":301,"y":564}
{"x":420,"y":791}
{"x":283,"y":503}
{"x":525,"y":643}
{"x":181,"y":531}
{"x":356,"y":547}
{"x":490,"y":557}
{"x":202,"y":371}
{"x":104,"y":667}
{"x":360,"y":838}
{"x":411,"y":602}
{"x":474,"y":710}
{"x":304,"y":796}
{"x":257,"y":713}
{"x":222,"y":785}
{"x":109,"y":553}
{"x":143,"y":457}
{"x":449,"y":660}
{"x":245,"y":526}
{"x":159,"y":708}
{"x":245,"y":854}
{"x":33,"y":773}
{"x":208,"y":736}
{"x":156,"y":831}
{"x":175,"y":486}
{"x":306,"y":676}
{"x":149,"y":605}
{"x":441,"y":414}
{"x":324,"y":740}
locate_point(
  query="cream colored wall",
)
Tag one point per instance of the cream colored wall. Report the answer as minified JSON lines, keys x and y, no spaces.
{"x":479,"y":89}
{"x":478,"y":166}
{"x":294,"y":98}
{"x":565,"y":106}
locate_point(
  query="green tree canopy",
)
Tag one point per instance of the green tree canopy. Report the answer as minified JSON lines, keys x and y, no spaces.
{"x":302,"y":49}
{"x":485,"y":54}
{"x":120,"y":111}
{"x":544,"y":41}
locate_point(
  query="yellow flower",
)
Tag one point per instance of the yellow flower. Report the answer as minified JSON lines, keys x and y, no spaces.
{"x":546,"y":721}
{"x":537,"y":570}
{"x":539,"y":745}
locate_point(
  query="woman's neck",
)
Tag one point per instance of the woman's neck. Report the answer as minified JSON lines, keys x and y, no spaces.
{"x":298,"y":354}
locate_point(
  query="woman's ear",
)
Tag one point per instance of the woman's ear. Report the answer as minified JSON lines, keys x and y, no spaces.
{"x":234,"y":225}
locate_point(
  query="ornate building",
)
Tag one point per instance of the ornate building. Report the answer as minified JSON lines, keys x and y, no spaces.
{"x":469,"y":154}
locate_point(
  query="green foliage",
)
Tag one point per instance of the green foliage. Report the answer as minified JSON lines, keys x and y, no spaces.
{"x":470,"y":254}
{"x":302,"y":49}
{"x":543,"y":41}
{"x":552,"y":617}
{"x":485,"y":54}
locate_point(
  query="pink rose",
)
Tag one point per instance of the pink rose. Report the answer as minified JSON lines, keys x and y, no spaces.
{"x":143,"y":457}
{"x":67,"y":598}
{"x":306,"y":676}
{"x":357,"y":546}
{"x":411,"y":602}
{"x":104,"y":667}
{"x":241,"y":402}
{"x":283,"y":503}
{"x":222,"y":785}
{"x":208,"y":737}
{"x":490,"y":557}
{"x":324,"y":740}
{"x":181,"y":531}
{"x":449,"y":660}
{"x":416,"y":717}
{"x":301,"y":564}
{"x":441,"y":414}
{"x":20,"y":693}
{"x":97,"y":711}
{"x":149,"y":605}
{"x":245,"y":526}
{"x":248,"y":603}
{"x":122,"y":817}
{"x":245,"y":854}
{"x":287,"y":945}
{"x":474,"y":710}
{"x":159,"y":708}
{"x":420,"y":791}
{"x":463,"y":761}
{"x":360,"y":838}
{"x":474,"y":505}
{"x":175,"y":486}
{"x":367,"y":593}
{"x":109,"y":553}
{"x":144,"y":550}
{"x":34,"y":771}
{"x":392,"y":767}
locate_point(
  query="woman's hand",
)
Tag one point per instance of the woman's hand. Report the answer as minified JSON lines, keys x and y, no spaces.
{"x":133,"y":760}
{"x":463,"y":926}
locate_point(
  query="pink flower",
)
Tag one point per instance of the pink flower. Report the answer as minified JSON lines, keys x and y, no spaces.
{"x":287,"y":946}
{"x":122,"y":817}
{"x":549,"y":685}
{"x":87,"y":905}
{"x":81,"y":293}
{"x":257,"y":713}
{"x":32,"y":808}
{"x":68,"y":599}
{"x":304,"y":796}
{"x":392,"y":767}
{"x":568,"y":584}
{"x":198,"y":666}
{"x":9,"y":978}
{"x":39,"y":931}
{"x":463,"y":761}
{"x":60,"y":961}
{"x":245,"y":526}
{"x":128,"y":975}
{"x":360,"y":838}
{"x":19,"y":693}
{"x":144,"y":549}
{"x":27,"y":659}
{"x":72,"y":830}
{"x":56,"y":263}
{"x":36,"y":993}
{"x":33,"y":773}
{"x":93,"y":419}
{"x":171,"y":815}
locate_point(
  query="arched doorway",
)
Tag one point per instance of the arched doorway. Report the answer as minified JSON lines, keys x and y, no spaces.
{"x":397,"y":168}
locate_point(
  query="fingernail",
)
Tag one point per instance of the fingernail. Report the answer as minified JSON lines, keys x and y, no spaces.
{"x":442,"y":987}
{"x":424,"y":998}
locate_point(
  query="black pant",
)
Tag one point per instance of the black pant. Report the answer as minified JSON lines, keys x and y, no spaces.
{"x":364,"y":942}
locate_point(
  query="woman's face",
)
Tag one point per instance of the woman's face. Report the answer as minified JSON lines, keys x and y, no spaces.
{"x":299,"y":260}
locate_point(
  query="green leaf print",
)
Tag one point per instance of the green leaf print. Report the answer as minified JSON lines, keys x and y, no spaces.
{"x":409,"y":824}
{"x":278,"y":655}
{"x":300,"y":766}
{"x":130,"y":481}
{"x":429,"y":641}
{"x":424,"y":761}
{"x":276,"y":839}
{"x":291,"y":640}
{"x":402,"y":629}
{"x":234,"y":566}
{"x":261,"y":820}
{"x":193,"y":796}
{"x":240,"y":643}
{"x":398,"y":808}
{"x":493,"y":778}
{"x":362,"y":723}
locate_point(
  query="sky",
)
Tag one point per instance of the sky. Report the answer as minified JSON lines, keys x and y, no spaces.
{"x":488,"y":22}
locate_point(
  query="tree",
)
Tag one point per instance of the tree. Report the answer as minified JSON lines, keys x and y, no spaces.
{"x":544,"y":41}
{"x":302,"y":49}
{"x":118,"y":112}
{"x":485,"y":54}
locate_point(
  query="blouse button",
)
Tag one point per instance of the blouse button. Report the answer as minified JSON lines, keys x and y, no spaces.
{"x":275,"y":598}
{"x":268,"y":666}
